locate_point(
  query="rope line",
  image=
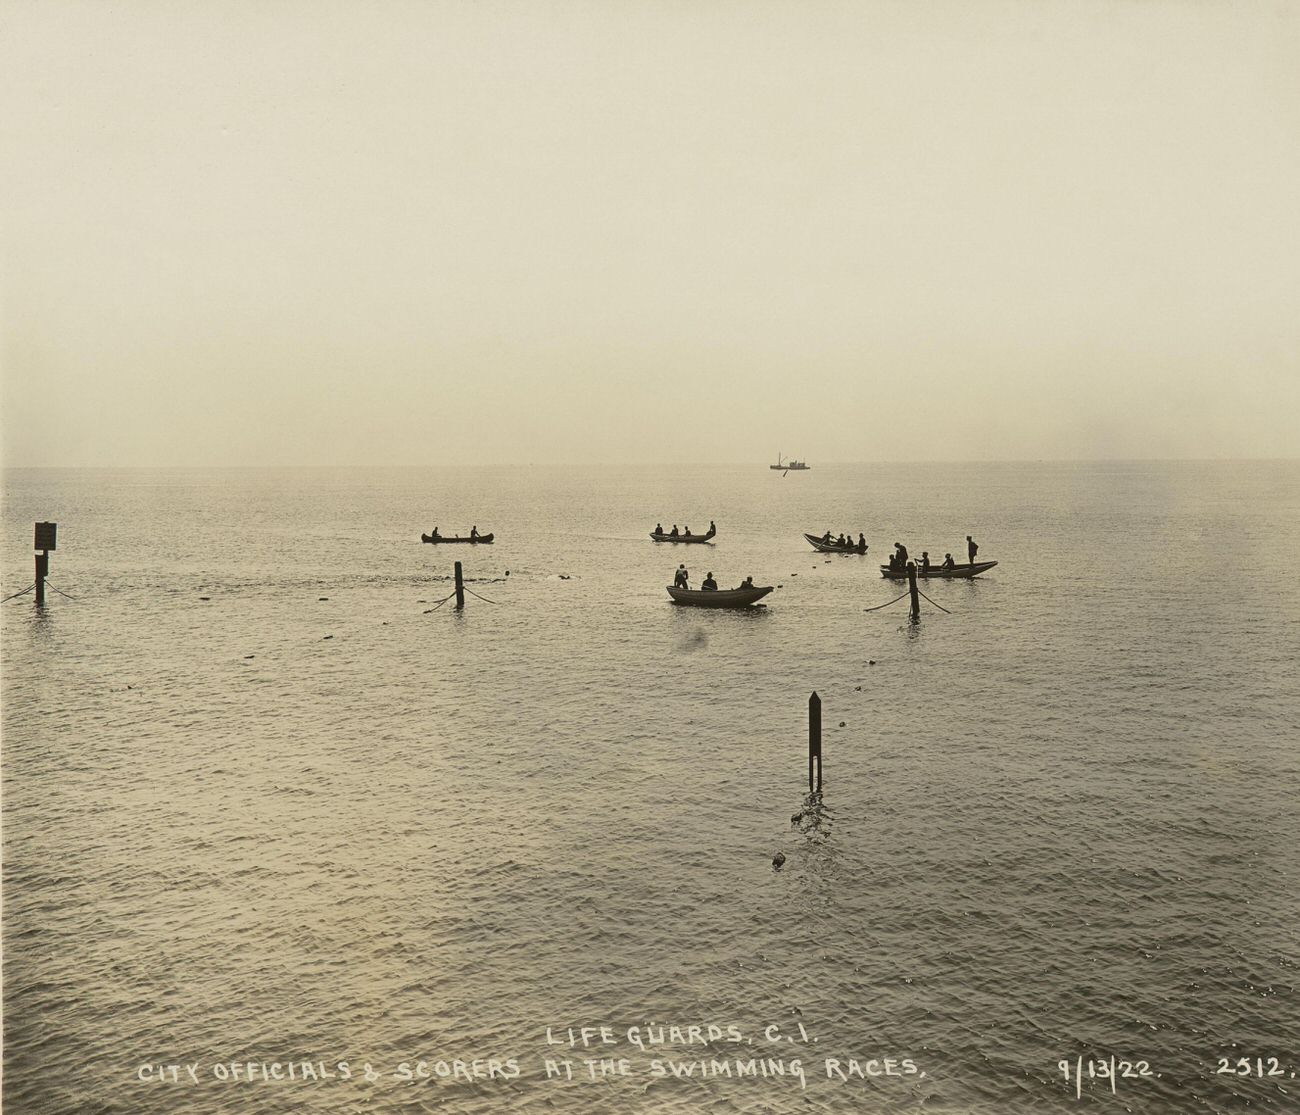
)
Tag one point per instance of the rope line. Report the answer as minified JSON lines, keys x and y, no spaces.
{"x":17,"y":594}
{"x":483,"y":598}
{"x":58,"y":590}
{"x":939,"y":606}
{"x":879,"y":606}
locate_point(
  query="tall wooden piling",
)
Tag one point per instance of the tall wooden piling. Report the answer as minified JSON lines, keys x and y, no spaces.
{"x":814,"y":743}
{"x":916,"y":593}
{"x":460,"y":588}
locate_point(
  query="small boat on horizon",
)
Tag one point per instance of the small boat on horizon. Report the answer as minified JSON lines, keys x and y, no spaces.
{"x":718,"y":597}
{"x":472,"y":539}
{"x":966,"y":569}
{"x":790,"y":466}
{"x":666,"y":537}
{"x":834,"y":547}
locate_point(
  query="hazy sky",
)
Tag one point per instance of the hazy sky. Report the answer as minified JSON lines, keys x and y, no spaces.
{"x":320,"y":232}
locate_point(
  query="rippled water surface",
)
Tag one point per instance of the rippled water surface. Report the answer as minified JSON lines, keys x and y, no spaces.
{"x":262,"y":804}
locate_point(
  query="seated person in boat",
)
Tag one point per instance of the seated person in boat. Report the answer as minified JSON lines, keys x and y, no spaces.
{"x":473,"y":532}
{"x":674,"y":532}
{"x":433,"y":533}
{"x":826,"y":538}
{"x":748,"y":582}
{"x":709,"y":584}
{"x":659,"y":528}
{"x":686,"y":533}
{"x":925,"y":561}
{"x":948,"y":563}
{"x":681,"y":577}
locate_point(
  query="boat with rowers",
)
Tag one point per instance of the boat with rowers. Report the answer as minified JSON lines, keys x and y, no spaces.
{"x":665,"y":536}
{"x":473,"y":539}
{"x":833,"y":547}
{"x":966,"y":570}
{"x":718,"y":597}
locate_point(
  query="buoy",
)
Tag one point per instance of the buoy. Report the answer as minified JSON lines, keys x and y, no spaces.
{"x":777,"y":860}
{"x":841,"y":723}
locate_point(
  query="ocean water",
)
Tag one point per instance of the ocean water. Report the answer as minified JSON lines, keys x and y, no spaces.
{"x":266,"y":802}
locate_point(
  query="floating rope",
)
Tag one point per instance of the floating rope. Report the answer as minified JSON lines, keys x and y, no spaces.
{"x":894,"y":601}
{"x":17,"y":594}
{"x":483,"y":598}
{"x":939,"y":606}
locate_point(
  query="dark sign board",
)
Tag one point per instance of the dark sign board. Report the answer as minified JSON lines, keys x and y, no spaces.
{"x":45,"y":535}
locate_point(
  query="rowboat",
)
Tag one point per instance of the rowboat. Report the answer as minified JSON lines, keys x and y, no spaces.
{"x":684,"y":537}
{"x":965,"y":570}
{"x":718,"y":597}
{"x":485,"y":539}
{"x":833,"y":547}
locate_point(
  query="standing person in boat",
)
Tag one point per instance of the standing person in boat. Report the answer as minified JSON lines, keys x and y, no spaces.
{"x":948,"y":563}
{"x":971,"y":548}
{"x":712,"y":529}
{"x":902,"y":555}
{"x":862,"y":543}
{"x":925,"y":561}
{"x":681,"y":578}
{"x":709,"y":584}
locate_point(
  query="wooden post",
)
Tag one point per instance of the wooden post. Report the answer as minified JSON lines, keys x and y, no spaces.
{"x":46,"y":540}
{"x":814,"y":742}
{"x":916,"y":595}
{"x":460,"y":588}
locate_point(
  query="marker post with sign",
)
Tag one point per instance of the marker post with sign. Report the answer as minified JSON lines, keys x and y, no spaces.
{"x":46,"y":537}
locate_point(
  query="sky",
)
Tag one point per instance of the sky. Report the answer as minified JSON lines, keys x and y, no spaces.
{"x":345,"y":233}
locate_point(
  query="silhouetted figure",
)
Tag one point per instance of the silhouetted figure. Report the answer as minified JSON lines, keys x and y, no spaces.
{"x":434,"y":533}
{"x":902,"y":554}
{"x":948,"y":563}
{"x":862,"y":543}
{"x":681,"y":578}
{"x":659,"y":528}
{"x":712,"y":528}
{"x":709,"y":584}
{"x":748,"y":582}
{"x":674,"y":532}
{"x":826,"y":538}
{"x":473,"y":532}
{"x":971,"y":548}
{"x":840,"y":540}
{"x":686,"y":533}
{"x":925,"y":561}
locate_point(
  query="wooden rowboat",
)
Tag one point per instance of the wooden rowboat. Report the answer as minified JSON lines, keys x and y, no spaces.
{"x":484,"y":539}
{"x":965,"y":570}
{"x":833,"y":547}
{"x":707,"y":536}
{"x":718,"y":597}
